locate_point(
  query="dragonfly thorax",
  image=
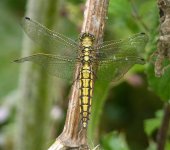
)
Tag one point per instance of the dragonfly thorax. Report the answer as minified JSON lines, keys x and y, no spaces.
{"x":86,"y":54}
{"x":87,"y":42}
{"x":86,"y":57}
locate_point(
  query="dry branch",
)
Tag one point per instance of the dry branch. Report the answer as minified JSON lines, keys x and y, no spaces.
{"x":163,"y":53}
{"x":163,"y":131}
{"x":163,"y":47}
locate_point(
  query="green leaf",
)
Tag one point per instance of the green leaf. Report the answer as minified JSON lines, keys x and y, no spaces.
{"x":117,"y":7}
{"x":153,"y":123}
{"x":167,"y":146}
{"x":161,"y":84}
{"x":114,"y":141}
{"x":152,"y":146}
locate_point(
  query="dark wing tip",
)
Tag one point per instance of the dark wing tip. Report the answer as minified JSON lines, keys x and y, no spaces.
{"x":142,"y":60}
{"x":16,"y":61}
{"x":142,"y":33}
{"x":145,"y":36}
{"x":27,"y":18}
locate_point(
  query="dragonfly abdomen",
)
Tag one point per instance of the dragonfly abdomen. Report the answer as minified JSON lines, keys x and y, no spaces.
{"x":86,"y":77}
{"x":85,"y":95}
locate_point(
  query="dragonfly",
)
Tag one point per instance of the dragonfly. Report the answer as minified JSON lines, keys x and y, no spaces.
{"x":108,"y":61}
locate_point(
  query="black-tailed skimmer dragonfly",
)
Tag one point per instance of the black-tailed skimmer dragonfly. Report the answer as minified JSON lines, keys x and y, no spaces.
{"x":113,"y":59}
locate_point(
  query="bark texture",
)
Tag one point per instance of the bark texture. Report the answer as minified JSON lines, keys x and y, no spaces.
{"x":163,"y":53}
{"x":73,"y":137}
{"x":163,"y":47}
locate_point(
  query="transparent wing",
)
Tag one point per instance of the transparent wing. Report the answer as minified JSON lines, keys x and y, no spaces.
{"x":48,"y":39}
{"x":113,"y":70}
{"x":116,"y":58}
{"x":130,"y":47}
{"x":61,"y":67}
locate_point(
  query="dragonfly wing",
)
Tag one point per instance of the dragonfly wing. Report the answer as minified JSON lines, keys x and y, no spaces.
{"x":116,"y":58}
{"x":61,"y":67}
{"x":113,"y":70}
{"x":130,"y":47}
{"x":48,"y":39}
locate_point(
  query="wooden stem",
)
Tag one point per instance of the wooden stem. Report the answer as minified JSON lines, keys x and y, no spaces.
{"x":163,"y":45}
{"x":163,"y":131}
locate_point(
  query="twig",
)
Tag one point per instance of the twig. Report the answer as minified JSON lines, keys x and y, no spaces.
{"x":162,"y":134}
{"x":71,"y":137}
{"x":163,"y":47}
{"x":163,"y":52}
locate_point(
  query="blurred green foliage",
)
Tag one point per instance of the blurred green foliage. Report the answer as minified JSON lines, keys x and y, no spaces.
{"x":114,"y":141}
{"x":151,"y":127}
{"x":10,"y":39}
{"x":124,"y":107}
{"x":159,"y":84}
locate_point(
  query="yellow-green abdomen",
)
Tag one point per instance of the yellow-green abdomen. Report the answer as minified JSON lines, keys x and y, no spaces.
{"x":85,"y":93}
{"x":86,"y":77}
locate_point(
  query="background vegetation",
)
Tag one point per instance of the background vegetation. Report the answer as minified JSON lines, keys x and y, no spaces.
{"x":129,"y":114}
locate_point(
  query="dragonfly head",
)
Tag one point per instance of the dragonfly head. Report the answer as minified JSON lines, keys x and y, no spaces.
{"x":87,"y":39}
